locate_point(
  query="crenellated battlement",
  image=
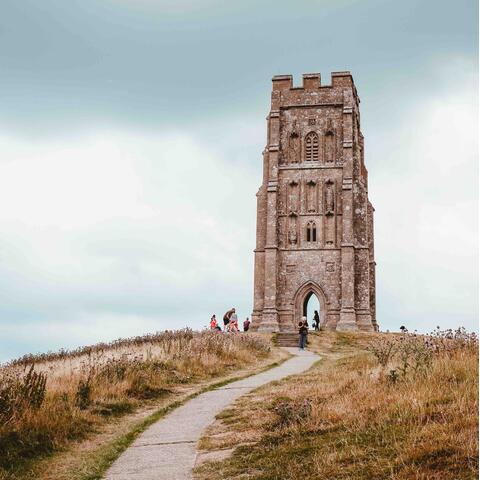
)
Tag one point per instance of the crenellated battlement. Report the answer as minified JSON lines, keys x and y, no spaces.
{"x":312,"y":81}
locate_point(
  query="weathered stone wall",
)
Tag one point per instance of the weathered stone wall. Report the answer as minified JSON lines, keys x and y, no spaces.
{"x":314,"y":220}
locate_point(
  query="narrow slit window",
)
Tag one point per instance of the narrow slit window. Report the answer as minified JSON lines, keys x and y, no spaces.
{"x":311,"y":232}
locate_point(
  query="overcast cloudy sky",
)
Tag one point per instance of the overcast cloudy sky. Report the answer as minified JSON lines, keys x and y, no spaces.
{"x":131,"y":134}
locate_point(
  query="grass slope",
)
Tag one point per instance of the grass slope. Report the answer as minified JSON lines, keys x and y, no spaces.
{"x":349,"y":417}
{"x":65,"y":399}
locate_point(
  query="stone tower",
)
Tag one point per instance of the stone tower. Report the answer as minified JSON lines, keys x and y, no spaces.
{"x":314,"y":218}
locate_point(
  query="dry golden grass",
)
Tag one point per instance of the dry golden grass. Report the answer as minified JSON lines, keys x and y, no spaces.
{"x":349,"y":418}
{"x":68,"y":397}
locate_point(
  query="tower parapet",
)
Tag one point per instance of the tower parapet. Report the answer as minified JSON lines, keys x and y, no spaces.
{"x":312,"y":80}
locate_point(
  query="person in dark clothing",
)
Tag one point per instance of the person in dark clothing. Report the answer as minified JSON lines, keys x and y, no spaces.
{"x":226,"y":318}
{"x":246,"y":325}
{"x":302,"y":331}
{"x":316,"y":321}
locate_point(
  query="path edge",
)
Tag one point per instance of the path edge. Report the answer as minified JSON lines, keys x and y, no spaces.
{"x":256,"y":389}
{"x":108,"y":453}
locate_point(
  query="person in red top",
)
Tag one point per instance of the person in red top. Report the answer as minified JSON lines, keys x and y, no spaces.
{"x":246,"y":325}
{"x":214,"y":324}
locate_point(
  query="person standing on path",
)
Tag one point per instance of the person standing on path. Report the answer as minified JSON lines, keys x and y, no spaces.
{"x":302,"y":331}
{"x":226,"y":318}
{"x":246,"y":325}
{"x":316,"y":321}
{"x":305,"y":321}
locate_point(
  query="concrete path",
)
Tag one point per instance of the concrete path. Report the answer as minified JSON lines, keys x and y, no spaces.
{"x":167,"y":450}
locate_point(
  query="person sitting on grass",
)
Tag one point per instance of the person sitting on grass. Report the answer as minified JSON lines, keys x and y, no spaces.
{"x":214,"y":324}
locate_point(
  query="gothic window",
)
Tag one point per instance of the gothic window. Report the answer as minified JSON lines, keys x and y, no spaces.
{"x":311,"y":147}
{"x":311,"y":232}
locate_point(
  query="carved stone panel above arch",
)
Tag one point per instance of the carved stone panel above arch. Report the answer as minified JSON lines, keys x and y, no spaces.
{"x":293,"y":197}
{"x":329,"y":211}
{"x":311,"y":192}
{"x":292,"y":230}
{"x":329,"y":126}
{"x":330,"y":148}
{"x":329,"y":200}
{"x":294,"y":147}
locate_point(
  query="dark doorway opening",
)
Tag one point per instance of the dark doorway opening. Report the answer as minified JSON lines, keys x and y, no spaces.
{"x":310,"y":304}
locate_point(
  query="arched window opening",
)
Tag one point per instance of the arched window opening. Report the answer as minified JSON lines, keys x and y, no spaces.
{"x":311,"y":232}
{"x":311,"y":147}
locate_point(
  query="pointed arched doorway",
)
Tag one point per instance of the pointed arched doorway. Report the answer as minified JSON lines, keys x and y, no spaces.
{"x":311,"y":304}
{"x":310,"y":297}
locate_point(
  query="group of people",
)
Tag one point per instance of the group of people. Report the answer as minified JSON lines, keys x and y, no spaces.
{"x":303,"y":329}
{"x":230,"y":322}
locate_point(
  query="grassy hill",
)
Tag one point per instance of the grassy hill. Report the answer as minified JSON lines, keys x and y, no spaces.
{"x":376,"y":406}
{"x":67,"y":415}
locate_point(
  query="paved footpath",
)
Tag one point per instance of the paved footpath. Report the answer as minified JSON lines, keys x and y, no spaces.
{"x":167,"y":450}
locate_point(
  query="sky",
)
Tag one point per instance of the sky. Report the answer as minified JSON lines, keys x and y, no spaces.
{"x":131,"y":134}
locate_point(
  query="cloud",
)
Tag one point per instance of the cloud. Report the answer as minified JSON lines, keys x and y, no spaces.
{"x":424,"y":189}
{"x":121,"y":226}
